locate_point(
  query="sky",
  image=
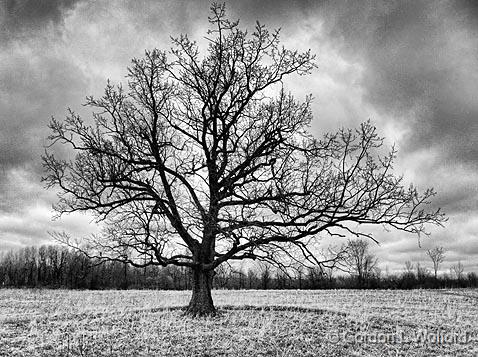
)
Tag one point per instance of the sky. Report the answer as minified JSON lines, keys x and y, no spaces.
{"x":408,"y":66}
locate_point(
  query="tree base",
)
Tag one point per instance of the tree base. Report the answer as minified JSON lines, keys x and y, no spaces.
{"x":201,"y":303}
{"x":200,"y":311}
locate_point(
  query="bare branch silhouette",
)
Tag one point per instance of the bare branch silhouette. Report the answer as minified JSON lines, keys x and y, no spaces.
{"x":203,"y":160}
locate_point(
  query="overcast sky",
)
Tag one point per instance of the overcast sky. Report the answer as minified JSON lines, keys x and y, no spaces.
{"x":409,"y":66}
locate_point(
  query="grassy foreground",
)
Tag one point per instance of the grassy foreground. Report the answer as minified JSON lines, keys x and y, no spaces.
{"x":251,"y":323}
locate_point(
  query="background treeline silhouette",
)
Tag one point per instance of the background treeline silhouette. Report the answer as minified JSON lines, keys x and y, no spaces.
{"x":58,"y":267}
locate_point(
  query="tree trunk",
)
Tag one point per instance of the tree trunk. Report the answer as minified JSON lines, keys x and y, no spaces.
{"x":201,"y":303}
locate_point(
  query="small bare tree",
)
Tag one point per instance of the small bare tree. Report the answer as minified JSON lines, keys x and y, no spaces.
{"x":437,"y":255}
{"x":202,"y":159}
{"x":457,"y":270}
{"x":223,"y":275}
{"x":359,"y":261}
{"x":409,"y":267}
{"x":265,"y":275}
{"x":251,"y":278}
{"x":422,"y":272}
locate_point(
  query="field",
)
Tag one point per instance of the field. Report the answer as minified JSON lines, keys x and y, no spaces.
{"x":250,"y":323}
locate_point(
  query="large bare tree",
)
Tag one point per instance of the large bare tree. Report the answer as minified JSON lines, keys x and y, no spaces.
{"x":203,"y":159}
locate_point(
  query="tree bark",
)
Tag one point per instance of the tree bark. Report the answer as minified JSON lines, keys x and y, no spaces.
{"x":201,"y":303}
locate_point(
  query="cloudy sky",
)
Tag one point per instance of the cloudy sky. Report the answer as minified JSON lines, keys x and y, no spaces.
{"x":409,"y":66}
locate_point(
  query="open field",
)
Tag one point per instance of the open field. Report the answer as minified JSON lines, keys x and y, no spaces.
{"x":251,"y":323}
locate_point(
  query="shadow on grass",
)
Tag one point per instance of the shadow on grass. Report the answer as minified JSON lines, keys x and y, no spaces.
{"x":273,"y":308}
{"x":23,"y":321}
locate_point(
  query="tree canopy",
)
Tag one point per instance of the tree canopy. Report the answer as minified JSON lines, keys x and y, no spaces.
{"x":198,"y":160}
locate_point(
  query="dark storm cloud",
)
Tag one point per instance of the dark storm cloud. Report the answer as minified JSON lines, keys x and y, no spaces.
{"x":420,"y":64}
{"x":32,"y":90}
{"x":22,"y":17}
{"x":181,"y":17}
{"x":419,"y":57}
{"x":34,"y":85}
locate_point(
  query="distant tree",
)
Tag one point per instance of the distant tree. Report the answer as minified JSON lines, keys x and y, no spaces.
{"x":43,"y":273}
{"x":409,"y":267}
{"x":251,"y":278}
{"x":408,"y":280}
{"x":237,"y":278}
{"x":265,"y":275}
{"x":457,"y":271}
{"x":299,"y":270}
{"x":472,"y":279}
{"x":329,"y":273}
{"x":359,"y":261}
{"x":422,"y":273}
{"x":210,"y":154}
{"x":223,"y":275}
{"x":437,"y":255}
{"x":316,"y":278}
{"x":281,"y":279}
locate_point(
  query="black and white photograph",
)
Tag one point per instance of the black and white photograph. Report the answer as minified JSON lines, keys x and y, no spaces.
{"x":238,"y":178}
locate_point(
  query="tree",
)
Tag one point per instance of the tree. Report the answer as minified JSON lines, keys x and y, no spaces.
{"x":281,"y":279}
{"x":437,"y":255}
{"x":422,"y":273}
{"x":299,"y":270}
{"x":457,"y":271}
{"x":472,"y":279}
{"x":202,"y":160}
{"x":251,"y":278}
{"x":359,"y":262}
{"x":265,"y":275}
{"x":223,"y":275}
{"x":409,"y":267}
{"x":408,"y":280}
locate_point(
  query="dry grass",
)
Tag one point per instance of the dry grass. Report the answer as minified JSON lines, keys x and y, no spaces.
{"x":251,"y":323}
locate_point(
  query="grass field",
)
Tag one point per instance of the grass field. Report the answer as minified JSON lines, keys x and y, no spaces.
{"x":250,"y":323}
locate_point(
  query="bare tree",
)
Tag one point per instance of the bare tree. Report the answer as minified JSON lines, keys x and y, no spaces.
{"x":265,"y":275}
{"x":359,"y":261}
{"x":408,"y":276}
{"x":409,"y":267}
{"x":457,"y":270}
{"x":251,"y":278}
{"x":240,"y":278}
{"x":205,"y":159}
{"x":315,"y":277}
{"x":299,"y":271}
{"x":422,"y":272}
{"x":437,"y":255}
{"x":223,"y":275}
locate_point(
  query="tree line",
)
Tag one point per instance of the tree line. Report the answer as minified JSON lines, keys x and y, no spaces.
{"x":53,"y":266}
